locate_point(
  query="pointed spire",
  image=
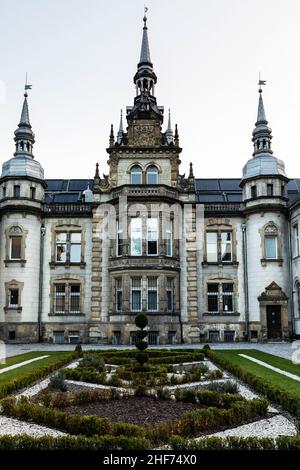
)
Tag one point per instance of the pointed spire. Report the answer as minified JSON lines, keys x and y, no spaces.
{"x":262,"y":134}
{"x":176,"y":136}
{"x":24,"y":136}
{"x":145,"y":49}
{"x":111,"y":136}
{"x":120,"y":131}
{"x":191,"y":174}
{"x":145,"y":78}
{"x":169,"y":132}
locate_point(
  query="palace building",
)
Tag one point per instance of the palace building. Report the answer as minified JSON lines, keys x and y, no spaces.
{"x":204,"y":259}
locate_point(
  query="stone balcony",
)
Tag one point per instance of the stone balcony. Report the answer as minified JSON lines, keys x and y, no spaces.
{"x":158,"y":191}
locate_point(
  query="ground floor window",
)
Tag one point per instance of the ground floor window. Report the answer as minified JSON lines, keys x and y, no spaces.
{"x":214,"y":336}
{"x":116,"y":337}
{"x":220,"y":297}
{"x":229,"y":336}
{"x":67,"y":298}
{"x":172,"y":337}
{"x":153,"y":337}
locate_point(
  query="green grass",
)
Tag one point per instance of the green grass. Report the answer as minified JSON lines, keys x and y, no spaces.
{"x":24,"y":370}
{"x":268,"y":375}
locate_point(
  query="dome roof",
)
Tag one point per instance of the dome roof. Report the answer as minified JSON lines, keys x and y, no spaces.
{"x":264,"y":164}
{"x":22,"y":166}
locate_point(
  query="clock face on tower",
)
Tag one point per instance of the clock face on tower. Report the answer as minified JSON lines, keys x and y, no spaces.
{"x":143,"y":135}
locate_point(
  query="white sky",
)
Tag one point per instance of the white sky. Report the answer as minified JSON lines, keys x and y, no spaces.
{"x":81,"y":58}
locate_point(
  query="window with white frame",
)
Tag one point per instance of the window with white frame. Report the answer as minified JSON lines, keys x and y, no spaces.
{"x":120,"y":238}
{"x":220,"y":297}
{"x":136,"y":175}
{"x":60,"y":298}
{"x":13,"y":297}
{"x":152,"y":236}
{"x":219,"y":246}
{"x":296,"y":240}
{"x":15,"y":247}
{"x":136,"y":294}
{"x":152,"y":299}
{"x":136,"y":236}
{"x":212,"y":246}
{"x":119,"y":299}
{"x":271,"y":246}
{"x":169,"y":237}
{"x":68,"y":247}
{"x":152,"y":175}
{"x":226,"y":247}
{"x":74,"y":298}
{"x":67,"y":298}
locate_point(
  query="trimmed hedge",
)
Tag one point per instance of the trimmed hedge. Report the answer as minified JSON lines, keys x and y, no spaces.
{"x":190,"y":424}
{"x":288,"y":401}
{"x":236,"y":443}
{"x":71,"y":423}
{"x":207,"y":397}
{"x":208,"y":419}
{"x":38,"y":374}
{"x":24,"y":442}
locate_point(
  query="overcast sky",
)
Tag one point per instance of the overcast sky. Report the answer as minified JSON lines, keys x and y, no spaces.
{"x":81,"y":58}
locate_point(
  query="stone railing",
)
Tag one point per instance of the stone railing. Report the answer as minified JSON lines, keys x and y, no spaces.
{"x":224,"y":207}
{"x":68,"y":208}
{"x":145,"y":191}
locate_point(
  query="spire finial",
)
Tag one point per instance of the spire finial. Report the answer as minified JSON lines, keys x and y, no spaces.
{"x":145,"y":16}
{"x":111,"y":136}
{"x":191,"y":174}
{"x":169,"y":132}
{"x":176,"y":136}
{"x":120,"y":131}
{"x":262,"y":134}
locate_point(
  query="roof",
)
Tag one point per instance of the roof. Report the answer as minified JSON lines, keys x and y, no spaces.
{"x":60,"y":191}
{"x":207,"y":190}
{"x":228,"y":190}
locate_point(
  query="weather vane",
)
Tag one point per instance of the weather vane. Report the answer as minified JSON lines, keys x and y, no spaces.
{"x":261,"y":82}
{"x":27,"y":87}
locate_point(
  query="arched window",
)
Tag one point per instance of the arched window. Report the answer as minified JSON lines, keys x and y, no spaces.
{"x":271,"y":242}
{"x":152,"y":175}
{"x":136,"y":175}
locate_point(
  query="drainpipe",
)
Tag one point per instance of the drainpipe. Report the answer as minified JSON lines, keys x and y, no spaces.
{"x":291,"y":283}
{"x":40,"y":307}
{"x":246,"y":294}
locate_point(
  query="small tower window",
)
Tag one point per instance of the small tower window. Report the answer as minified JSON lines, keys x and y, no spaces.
{"x":17,"y":191}
{"x":136,"y":175}
{"x":282,"y":190}
{"x":152,"y":175}
{"x":270,"y":190}
{"x":4,"y":192}
{"x":253,"y":192}
{"x":32,"y":193}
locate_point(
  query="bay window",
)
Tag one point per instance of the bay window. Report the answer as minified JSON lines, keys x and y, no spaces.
{"x":152,"y":294}
{"x":169,"y":237}
{"x":119,"y":295}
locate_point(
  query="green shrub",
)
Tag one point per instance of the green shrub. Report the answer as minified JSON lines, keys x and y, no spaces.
{"x":92,"y":361}
{"x":223,"y":387}
{"x":289,"y":402}
{"x":57,"y":382}
{"x":38,"y":374}
{"x":78,"y":350}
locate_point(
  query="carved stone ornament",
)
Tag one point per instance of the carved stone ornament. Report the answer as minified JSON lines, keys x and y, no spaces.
{"x":143,"y":135}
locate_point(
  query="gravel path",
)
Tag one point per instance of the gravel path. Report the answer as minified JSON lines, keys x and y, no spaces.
{"x":272,"y":427}
{"x":15,"y":427}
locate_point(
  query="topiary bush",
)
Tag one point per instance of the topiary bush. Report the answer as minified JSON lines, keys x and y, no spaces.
{"x":141,"y":322}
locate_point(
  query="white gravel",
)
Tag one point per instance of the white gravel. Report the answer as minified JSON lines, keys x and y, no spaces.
{"x":268,"y":366}
{"x":14,"y":427}
{"x":272,"y":427}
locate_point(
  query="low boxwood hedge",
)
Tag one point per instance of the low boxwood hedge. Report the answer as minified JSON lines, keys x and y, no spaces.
{"x":236,"y":443}
{"x":25,"y":442}
{"x":190,"y":423}
{"x":286,"y":400}
{"x":39,"y":373}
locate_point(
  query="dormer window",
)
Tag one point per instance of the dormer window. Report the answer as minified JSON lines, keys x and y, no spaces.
{"x":136,"y":175}
{"x":152,"y":175}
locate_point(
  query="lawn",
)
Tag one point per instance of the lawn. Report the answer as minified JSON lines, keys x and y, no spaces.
{"x":24,"y":370}
{"x":268,"y":375}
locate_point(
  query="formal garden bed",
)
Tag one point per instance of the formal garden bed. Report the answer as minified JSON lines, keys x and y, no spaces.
{"x":124,"y":400}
